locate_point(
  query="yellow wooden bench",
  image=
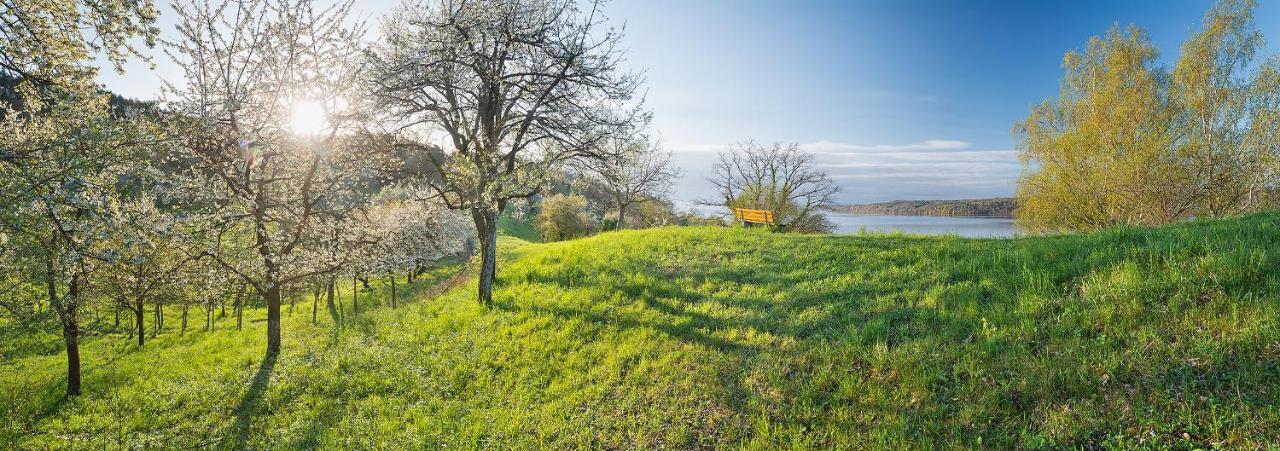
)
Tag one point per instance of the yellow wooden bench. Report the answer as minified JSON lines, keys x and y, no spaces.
{"x":748,"y":217}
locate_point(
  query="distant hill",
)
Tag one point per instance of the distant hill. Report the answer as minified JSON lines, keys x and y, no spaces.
{"x":999,"y":207}
{"x":119,"y":104}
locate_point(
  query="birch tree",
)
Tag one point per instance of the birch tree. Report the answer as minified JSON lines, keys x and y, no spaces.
{"x":1100,"y":153}
{"x":1228,"y":110}
{"x":1128,"y":141}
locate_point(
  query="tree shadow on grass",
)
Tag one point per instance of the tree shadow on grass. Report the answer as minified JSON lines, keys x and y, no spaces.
{"x":55,"y":395}
{"x":689,"y":334}
{"x":249,"y":404}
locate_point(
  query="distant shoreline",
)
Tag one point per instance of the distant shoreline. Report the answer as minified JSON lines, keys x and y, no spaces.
{"x":991,"y":208}
{"x":922,"y":215}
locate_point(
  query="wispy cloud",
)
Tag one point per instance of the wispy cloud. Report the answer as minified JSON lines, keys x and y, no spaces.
{"x":695,"y":147}
{"x":837,"y":148}
{"x":931,"y":168}
{"x":840,"y":148}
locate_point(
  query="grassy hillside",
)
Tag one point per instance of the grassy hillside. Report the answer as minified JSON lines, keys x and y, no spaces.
{"x":518,"y":229}
{"x":693,"y":337}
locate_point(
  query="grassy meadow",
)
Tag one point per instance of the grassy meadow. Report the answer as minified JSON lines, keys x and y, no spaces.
{"x":717,"y":337}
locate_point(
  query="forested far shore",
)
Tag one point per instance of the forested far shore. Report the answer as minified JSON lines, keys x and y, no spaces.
{"x":999,"y":207}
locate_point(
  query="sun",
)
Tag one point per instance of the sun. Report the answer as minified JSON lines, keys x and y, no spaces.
{"x":308,"y":118}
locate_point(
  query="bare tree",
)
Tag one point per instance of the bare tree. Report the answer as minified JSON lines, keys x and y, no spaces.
{"x":775,"y":177}
{"x":515,"y":87}
{"x":267,"y":85}
{"x":641,"y":172}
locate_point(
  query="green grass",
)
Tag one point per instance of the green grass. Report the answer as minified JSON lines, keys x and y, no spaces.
{"x":701,"y":337}
{"x":523,"y":230}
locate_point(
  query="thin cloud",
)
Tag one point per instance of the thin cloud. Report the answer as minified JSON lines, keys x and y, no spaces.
{"x":932,"y":168}
{"x":697,"y":148}
{"x":918,"y":158}
{"x":839,"y":148}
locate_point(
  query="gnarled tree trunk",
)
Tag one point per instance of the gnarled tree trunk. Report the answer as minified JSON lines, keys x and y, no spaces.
{"x":67,"y":311}
{"x":272,"y":296}
{"x":486,"y":221}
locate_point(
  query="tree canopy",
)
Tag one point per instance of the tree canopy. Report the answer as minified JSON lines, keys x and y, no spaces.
{"x":1130,"y":142}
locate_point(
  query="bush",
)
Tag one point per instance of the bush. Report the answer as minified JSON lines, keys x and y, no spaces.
{"x":653,"y":213}
{"x":565,"y":217}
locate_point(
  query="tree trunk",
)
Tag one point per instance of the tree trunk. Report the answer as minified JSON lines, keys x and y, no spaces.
{"x":183,"y":331}
{"x":73,"y":361}
{"x":342,"y":310}
{"x":239,"y":307}
{"x":140,"y":315}
{"x":393,"y":290}
{"x":315,"y":304}
{"x":70,"y":327}
{"x":487,"y":226}
{"x":355,"y":293}
{"x":159,"y":320}
{"x":272,"y":296}
{"x":622,"y":216}
{"x":71,"y":333}
{"x":331,"y":294}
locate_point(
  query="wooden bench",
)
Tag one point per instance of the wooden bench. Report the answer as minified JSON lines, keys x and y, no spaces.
{"x":749,"y":217}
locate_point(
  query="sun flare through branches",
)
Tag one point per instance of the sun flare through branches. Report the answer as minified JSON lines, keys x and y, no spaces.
{"x":308,"y":118}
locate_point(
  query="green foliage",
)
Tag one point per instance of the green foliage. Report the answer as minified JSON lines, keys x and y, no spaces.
{"x":654,"y":213}
{"x":1129,"y":142}
{"x":565,"y":217}
{"x":704,"y":337}
{"x":1101,"y":152}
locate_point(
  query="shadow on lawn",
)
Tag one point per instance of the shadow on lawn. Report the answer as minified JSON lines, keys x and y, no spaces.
{"x":783,"y":303}
{"x":252,"y":398}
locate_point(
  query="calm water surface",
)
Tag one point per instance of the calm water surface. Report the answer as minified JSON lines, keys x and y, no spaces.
{"x":926,"y":225}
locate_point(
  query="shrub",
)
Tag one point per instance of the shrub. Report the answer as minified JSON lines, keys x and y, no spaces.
{"x":565,"y":217}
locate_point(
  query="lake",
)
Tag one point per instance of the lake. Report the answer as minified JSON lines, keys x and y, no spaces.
{"x":925,"y":225}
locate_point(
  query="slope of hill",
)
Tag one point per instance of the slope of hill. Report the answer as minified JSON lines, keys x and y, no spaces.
{"x":719,"y":337}
{"x":522,"y":229}
{"x":1000,"y":207}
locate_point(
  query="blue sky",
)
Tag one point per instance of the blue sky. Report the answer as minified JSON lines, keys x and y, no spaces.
{"x":905,"y":99}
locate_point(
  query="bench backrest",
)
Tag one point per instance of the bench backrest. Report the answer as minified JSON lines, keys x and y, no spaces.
{"x":753,"y":216}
